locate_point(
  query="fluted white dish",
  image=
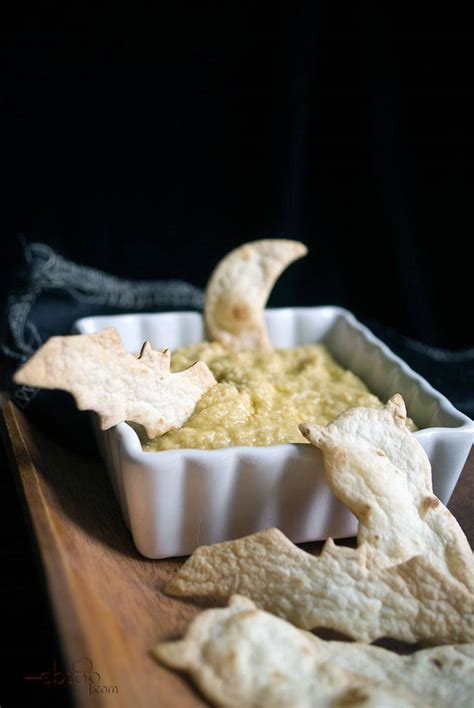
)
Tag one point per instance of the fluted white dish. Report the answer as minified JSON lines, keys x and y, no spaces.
{"x":175,"y":500}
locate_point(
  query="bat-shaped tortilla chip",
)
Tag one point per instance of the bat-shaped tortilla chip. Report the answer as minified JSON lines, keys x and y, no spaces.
{"x":104,"y":377}
{"x":340,"y":589}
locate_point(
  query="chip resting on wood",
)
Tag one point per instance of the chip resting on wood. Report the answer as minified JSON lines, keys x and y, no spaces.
{"x":104,"y":377}
{"x":379,"y":470}
{"x":240,"y":286}
{"x":242,"y":656}
{"x":339,"y":590}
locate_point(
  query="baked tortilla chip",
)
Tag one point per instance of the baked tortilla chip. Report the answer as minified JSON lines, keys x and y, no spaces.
{"x":441,"y":676}
{"x":339,"y":590}
{"x":239,"y":288}
{"x":104,"y":377}
{"x":379,"y":470}
{"x":240,"y":656}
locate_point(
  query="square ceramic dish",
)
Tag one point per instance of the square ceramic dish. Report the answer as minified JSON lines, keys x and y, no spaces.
{"x":176,"y":500}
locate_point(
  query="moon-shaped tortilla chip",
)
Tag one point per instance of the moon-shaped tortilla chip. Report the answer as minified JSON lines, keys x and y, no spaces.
{"x":240,"y":286}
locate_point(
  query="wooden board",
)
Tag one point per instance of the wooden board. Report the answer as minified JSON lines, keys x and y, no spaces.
{"x":108,"y":599}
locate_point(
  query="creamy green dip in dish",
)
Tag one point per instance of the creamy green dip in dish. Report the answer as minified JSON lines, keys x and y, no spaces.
{"x":261,"y":397}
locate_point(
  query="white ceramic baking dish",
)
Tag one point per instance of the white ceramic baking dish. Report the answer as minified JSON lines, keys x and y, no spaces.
{"x":176,"y":500}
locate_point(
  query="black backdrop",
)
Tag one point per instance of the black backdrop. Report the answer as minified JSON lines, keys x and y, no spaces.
{"x":149,"y":141}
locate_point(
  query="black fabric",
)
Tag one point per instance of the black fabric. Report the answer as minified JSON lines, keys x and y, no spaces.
{"x":148,"y":141}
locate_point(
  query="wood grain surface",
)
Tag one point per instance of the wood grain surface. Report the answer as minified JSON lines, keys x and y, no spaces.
{"x":107,"y":599}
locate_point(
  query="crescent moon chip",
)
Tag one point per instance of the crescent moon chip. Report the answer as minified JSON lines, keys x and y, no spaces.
{"x":239,"y":288}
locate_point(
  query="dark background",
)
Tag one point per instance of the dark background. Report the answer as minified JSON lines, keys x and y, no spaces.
{"x":149,"y":141}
